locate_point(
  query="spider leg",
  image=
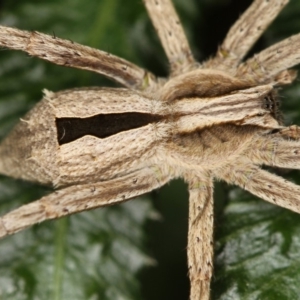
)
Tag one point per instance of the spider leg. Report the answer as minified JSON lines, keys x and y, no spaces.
{"x":266,"y":65}
{"x":171,"y":35}
{"x":244,"y":33}
{"x":262,"y":184}
{"x":277,"y":150}
{"x":68,"y":53}
{"x":291,"y":132}
{"x":200,"y":236}
{"x":74,"y":199}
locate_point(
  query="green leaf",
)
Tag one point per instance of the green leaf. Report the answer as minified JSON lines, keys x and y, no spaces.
{"x":257,"y":251}
{"x":92,"y":255}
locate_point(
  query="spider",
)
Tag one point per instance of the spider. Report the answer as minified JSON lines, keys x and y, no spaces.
{"x":216,"y":120}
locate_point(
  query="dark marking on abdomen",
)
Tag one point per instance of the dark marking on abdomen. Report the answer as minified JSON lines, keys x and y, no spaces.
{"x":102,"y":125}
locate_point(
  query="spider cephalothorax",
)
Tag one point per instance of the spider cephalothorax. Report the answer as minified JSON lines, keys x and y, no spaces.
{"x":216,"y":120}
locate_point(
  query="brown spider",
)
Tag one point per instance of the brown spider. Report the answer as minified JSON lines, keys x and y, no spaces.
{"x":219,"y":119}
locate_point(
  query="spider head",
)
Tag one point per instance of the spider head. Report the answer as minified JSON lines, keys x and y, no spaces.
{"x":271,"y":103}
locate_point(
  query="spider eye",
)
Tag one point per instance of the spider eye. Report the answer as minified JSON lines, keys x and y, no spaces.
{"x":272,"y":104}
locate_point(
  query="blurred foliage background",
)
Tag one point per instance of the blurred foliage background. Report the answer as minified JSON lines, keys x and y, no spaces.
{"x":137,"y":250}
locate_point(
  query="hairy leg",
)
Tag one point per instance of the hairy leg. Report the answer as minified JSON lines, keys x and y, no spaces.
{"x":262,"y":184}
{"x":265,"y":66}
{"x":78,"y":198}
{"x":281,"y":149}
{"x":200,"y":237}
{"x":245,"y":32}
{"x":171,"y":35}
{"x":67,"y":53}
